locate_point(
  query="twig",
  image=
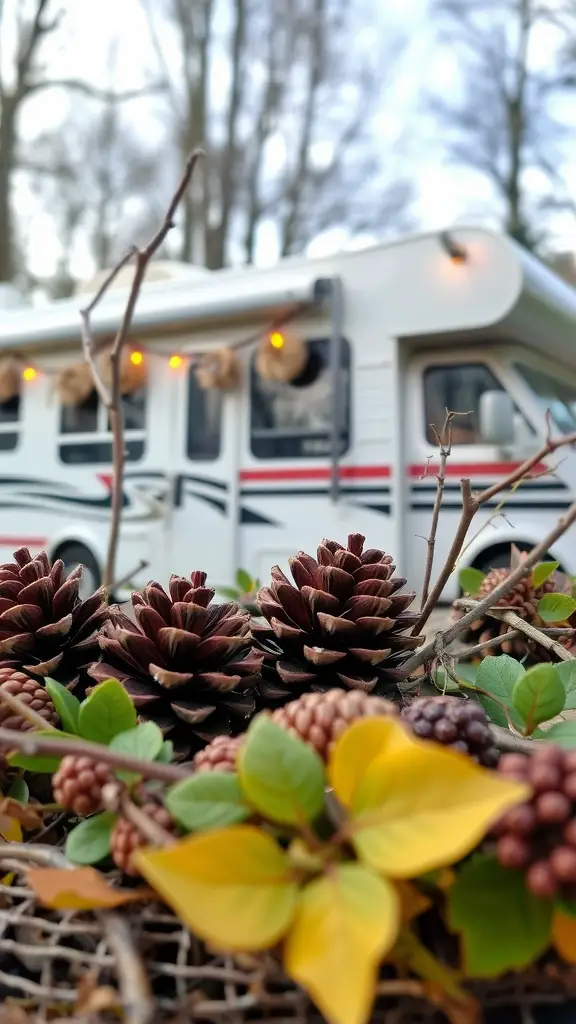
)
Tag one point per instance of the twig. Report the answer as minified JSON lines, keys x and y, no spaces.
{"x":494,"y":641}
{"x":471,"y":503}
{"x":443,"y":639}
{"x":510,"y":743}
{"x":112,"y":397}
{"x":520,"y":626}
{"x":142,"y":564}
{"x":31,"y":743}
{"x":25,"y":711}
{"x":149,"y":828}
{"x":444,"y":442}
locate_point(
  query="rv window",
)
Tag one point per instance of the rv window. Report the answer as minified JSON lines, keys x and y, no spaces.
{"x":204,"y":420}
{"x":294,"y":420}
{"x":457,"y":387}
{"x":9,"y":415}
{"x":90,"y":418}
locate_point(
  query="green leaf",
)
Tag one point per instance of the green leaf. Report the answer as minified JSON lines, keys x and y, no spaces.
{"x":207,"y":800}
{"x":542,"y":571}
{"x":106,"y":712}
{"x":470,"y":580}
{"x":44,"y":764}
{"x":166,"y":752}
{"x":538,"y":696}
{"x":90,"y":841}
{"x":66,"y":704}
{"x":144,"y":742}
{"x":494,"y":712}
{"x":563,"y":733}
{"x":463,"y":671}
{"x":556,"y":607}
{"x":230,"y":592}
{"x":244,"y":581}
{"x":443,"y":682}
{"x":498,"y":675}
{"x":566,"y":907}
{"x":567,"y":672}
{"x":503,"y":926}
{"x":19,"y":791}
{"x":280,"y":775}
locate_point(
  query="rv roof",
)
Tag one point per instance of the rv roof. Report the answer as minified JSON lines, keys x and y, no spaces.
{"x":411,"y":285}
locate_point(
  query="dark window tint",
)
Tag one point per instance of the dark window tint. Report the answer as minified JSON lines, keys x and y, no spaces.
{"x":204,"y":420}
{"x":457,"y":388}
{"x":9,"y":414}
{"x":90,"y":418}
{"x":556,"y":396}
{"x":98,"y":452}
{"x":82,"y":418}
{"x":295,"y":420}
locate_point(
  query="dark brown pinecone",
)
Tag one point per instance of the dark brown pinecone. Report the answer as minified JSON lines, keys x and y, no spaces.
{"x":523,"y":599}
{"x":187,"y":666}
{"x":344,"y":624}
{"x":320,"y":718}
{"x":219,"y":756}
{"x":45,"y":628}
{"x":459,"y":724}
{"x":78,"y":784}
{"x":31,"y":693}
{"x":127,"y":838}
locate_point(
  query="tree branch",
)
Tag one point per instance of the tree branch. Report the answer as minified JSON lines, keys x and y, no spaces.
{"x":112,"y":397}
{"x":521,"y":626}
{"x":444,"y":442}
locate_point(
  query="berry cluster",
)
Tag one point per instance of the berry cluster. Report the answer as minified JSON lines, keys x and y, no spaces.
{"x":219,"y":755}
{"x":539,"y":837}
{"x":320,"y":718}
{"x":459,"y":724}
{"x":78,"y":784}
{"x":127,"y":837}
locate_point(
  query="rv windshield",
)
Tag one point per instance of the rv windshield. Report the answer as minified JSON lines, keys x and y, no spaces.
{"x":552,"y":394}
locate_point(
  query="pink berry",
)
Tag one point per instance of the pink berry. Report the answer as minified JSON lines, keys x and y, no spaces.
{"x":541,"y":880}
{"x":520,"y":820}
{"x":553,"y":808}
{"x":543,"y":777}
{"x":563,"y":863}
{"x":512,"y":852}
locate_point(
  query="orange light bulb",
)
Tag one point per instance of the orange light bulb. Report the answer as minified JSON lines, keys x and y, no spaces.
{"x":29,"y":373}
{"x":136,"y":358}
{"x":175,"y":362}
{"x":277,"y":339}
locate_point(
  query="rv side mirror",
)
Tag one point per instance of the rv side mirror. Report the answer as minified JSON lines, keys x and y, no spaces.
{"x":496,"y":418}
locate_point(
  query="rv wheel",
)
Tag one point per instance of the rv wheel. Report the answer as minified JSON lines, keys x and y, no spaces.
{"x":74,"y":555}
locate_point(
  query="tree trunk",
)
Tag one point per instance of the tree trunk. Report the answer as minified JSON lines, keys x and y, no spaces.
{"x":7,"y":160}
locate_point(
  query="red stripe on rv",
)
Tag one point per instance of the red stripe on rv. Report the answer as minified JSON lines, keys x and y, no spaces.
{"x":472,"y":469}
{"x":23,"y":542}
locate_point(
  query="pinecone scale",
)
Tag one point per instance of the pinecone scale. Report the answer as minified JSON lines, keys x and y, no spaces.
{"x":344,"y":623}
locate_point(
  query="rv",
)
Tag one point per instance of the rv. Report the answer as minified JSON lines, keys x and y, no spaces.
{"x":221,"y":478}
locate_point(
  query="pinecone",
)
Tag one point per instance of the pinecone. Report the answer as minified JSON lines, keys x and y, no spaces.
{"x":45,"y":628}
{"x":539,"y":837}
{"x":459,"y":724}
{"x":320,"y":718}
{"x":78,"y":784}
{"x":187,"y":666}
{"x":126,"y":838}
{"x":344,"y":624}
{"x":523,"y":599}
{"x":219,"y":756}
{"x":31,"y":693}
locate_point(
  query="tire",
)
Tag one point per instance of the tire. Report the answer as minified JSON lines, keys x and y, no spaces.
{"x":74,"y":555}
{"x":500,"y":557}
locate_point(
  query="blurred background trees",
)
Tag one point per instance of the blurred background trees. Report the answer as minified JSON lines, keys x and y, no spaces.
{"x":314,"y":114}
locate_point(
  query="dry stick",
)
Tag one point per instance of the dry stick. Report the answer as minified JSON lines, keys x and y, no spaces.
{"x":30,"y":744}
{"x":112,"y":397}
{"x":470,"y":505}
{"x":441,"y":640}
{"x":142,"y":564}
{"x":444,"y":442}
{"x":519,"y":625}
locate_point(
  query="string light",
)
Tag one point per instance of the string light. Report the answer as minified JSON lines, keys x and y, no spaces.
{"x":277,"y":339}
{"x":29,"y":373}
{"x":136,"y":358}
{"x":175,"y":362}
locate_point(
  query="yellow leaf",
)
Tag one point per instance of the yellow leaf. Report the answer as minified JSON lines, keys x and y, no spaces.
{"x":345,"y":922}
{"x":234,"y":887}
{"x":564,"y":936}
{"x":412,"y":901}
{"x":357,"y":748}
{"x":422,"y":807}
{"x":79,"y":889}
{"x":10,"y":829}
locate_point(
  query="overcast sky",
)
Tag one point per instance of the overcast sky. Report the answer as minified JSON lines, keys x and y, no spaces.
{"x":446,"y":194}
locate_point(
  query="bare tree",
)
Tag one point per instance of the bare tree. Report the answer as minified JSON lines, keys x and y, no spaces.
{"x":284,"y":103}
{"x":504,"y":126}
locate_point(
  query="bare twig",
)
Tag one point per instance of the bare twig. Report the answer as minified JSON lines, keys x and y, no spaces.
{"x":494,"y":641}
{"x":112,"y":397}
{"x":444,"y":638}
{"x":521,"y":626}
{"x":142,"y":564}
{"x":471,"y":503}
{"x":116,"y":798}
{"x":31,"y":743}
{"x":510,"y":743}
{"x":24,"y":711}
{"x":444,"y":441}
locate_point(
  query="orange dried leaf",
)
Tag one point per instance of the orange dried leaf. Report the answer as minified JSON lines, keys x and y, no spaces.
{"x":412,"y":901}
{"x":28,"y":815}
{"x":79,"y":889}
{"x":10,"y":829}
{"x":564,"y":936}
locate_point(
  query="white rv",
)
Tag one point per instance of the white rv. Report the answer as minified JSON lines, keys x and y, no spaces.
{"x":218,"y":479}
